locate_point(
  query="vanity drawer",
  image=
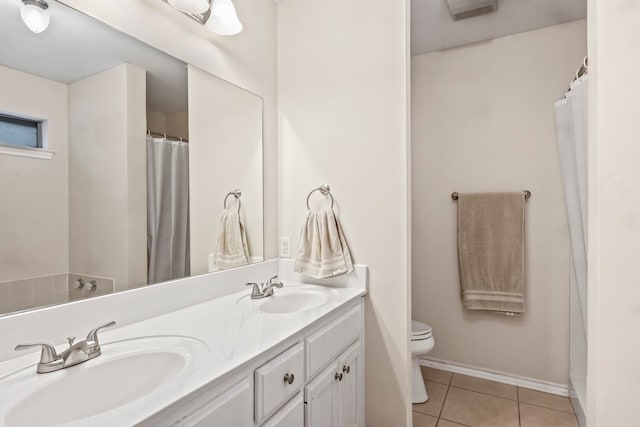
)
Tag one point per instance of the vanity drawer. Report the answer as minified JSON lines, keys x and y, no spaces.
{"x":278,"y":380}
{"x":324,"y":345}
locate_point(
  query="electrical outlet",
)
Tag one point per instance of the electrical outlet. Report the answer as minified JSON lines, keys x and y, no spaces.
{"x":285,"y":247}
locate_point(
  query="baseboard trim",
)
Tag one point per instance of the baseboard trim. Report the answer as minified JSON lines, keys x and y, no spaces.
{"x":501,"y":377}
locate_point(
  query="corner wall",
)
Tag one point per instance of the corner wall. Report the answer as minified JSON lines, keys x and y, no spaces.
{"x":342,"y":116}
{"x":483,"y":121}
{"x":613,"y":376}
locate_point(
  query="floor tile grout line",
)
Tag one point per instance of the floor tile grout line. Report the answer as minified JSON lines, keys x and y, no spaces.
{"x":455,"y":422}
{"x":443,"y":402}
{"x":545,"y":407}
{"x":518,"y":403}
{"x":483,"y":393}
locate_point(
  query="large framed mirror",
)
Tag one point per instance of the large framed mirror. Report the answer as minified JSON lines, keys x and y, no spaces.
{"x":120,"y":165}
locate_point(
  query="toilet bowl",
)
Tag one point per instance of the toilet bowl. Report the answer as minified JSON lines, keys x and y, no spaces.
{"x":422,"y":342}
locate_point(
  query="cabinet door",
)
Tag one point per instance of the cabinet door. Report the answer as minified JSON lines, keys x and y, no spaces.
{"x":292,"y":415}
{"x":349,"y":365}
{"x":321,"y":399}
{"x":234,"y":407}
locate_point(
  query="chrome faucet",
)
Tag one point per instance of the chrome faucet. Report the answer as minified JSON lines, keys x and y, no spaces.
{"x":266,"y":289}
{"x":77,"y":352}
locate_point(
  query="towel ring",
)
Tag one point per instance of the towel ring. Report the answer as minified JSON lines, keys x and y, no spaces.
{"x":325,"y":190}
{"x":235,"y":193}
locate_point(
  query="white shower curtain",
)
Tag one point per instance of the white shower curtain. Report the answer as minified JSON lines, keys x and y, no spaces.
{"x":571,"y":131}
{"x":167,"y":210}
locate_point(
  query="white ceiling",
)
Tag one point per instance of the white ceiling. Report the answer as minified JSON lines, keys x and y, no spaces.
{"x":76,"y":46}
{"x":433,"y":29}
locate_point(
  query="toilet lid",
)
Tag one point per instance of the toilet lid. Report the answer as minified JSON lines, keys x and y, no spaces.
{"x":419,"y":329}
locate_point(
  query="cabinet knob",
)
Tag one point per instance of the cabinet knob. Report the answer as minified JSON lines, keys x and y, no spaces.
{"x":338,"y":377}
{"x":346,"y":369}
{"x":288,"y":378}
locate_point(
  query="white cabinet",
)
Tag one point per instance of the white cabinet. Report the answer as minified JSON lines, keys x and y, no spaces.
{"x":292,"y":415}
{"x":321,"y":399}
{"x":334,"y":398}
{"x":279,"y":389}
{"x":278,"y":380}
{"x":232,"y":407}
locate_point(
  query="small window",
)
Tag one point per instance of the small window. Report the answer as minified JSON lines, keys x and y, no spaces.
{"x":20,"y":132}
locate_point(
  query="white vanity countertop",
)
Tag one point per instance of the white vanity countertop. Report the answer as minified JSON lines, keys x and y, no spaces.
{"x":234,"y":336}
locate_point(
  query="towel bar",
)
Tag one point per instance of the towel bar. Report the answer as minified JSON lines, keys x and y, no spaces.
{"x":527,"y":195}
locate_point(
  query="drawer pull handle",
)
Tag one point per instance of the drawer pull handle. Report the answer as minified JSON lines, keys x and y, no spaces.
{"x":338,"y":377}
{"x":346,"y":369}
{"x":288,"y":378}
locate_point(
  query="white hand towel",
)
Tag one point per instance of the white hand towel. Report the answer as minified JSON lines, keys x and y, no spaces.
{"x":232,"y":250}
{"x":323,"y":251}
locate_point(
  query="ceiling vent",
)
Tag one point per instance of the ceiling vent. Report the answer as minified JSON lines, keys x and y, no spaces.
{"x":462,"y":9}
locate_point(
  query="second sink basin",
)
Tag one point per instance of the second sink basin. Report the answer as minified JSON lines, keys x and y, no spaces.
{"x":292,"y":299}
{"x":126,"y":371}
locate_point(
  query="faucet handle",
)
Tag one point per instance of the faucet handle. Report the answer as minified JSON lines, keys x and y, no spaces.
{"x":93,"y":335}
{"x":256,"y":288}
{"x":272,"y":279}
{"x":48,"y":354}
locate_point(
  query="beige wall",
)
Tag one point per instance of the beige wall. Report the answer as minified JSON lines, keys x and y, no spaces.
{"x":174,"y":124}
{"x":483,"y":120}
{"x":247,"y":59}
{"x":107,"y":181}
{"x":225,"y":152}
{"x":613,"y":387}
{"x":34,"y":237}
{"x":342,"y":115}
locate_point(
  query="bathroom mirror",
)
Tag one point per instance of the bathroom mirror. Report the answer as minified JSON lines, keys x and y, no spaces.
{"x":118,"y":164}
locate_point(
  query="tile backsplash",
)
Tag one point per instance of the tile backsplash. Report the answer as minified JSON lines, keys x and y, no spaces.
{"x":26,"y":294}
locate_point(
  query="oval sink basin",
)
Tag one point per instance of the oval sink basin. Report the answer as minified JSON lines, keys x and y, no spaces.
{"x":293,"y":299}
{"x":286,"y":301}
{"x":126,"y":371}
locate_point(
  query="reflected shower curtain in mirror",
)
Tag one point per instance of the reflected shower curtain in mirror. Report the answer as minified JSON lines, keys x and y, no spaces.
{"x":571,"y":132}
{"x":167,"y":210}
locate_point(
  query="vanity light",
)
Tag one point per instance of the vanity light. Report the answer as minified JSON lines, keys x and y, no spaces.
{"x":190,"y":6}
{"x":35,"y":15}
{"x":223,"y":19}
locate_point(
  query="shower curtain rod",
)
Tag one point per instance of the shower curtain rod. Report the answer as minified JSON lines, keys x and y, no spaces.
{"x":167,"y":137}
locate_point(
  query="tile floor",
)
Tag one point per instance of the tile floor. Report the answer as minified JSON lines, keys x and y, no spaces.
{"x":458,"y":400}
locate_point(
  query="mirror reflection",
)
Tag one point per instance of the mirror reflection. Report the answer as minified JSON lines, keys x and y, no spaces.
{"x":119,"y":164}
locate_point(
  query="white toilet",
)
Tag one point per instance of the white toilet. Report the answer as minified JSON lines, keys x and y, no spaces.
{"x":422,"y":342}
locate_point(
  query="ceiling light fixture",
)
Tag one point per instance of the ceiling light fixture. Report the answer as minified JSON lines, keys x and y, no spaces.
{"x":224,"y":19}
{"x":190,"y":6}
{"x":35,"y":15}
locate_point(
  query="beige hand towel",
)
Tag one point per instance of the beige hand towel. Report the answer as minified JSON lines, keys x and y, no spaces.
{"x":491,"y":251}
{"x":232,"y":249}
{"x":323,"y":251}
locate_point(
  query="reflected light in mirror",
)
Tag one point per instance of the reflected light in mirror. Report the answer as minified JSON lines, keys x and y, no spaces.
{"x":190,"y":6}
{"x":224,"y":19}
{"x":35,"y":15}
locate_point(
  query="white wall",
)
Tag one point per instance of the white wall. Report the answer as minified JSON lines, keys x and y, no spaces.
{"x":225,"y":153}
{"x":34,"y":236}
{"x":483,"y":121}
{"x":174,"y":124}
{"x":613,"y":385}
{"x":342,"y":116}
{"x":107,"y":178}
{"x":247,"y":59}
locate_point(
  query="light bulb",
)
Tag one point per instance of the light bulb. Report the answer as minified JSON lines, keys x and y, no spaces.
{"x":224,"y":19}
{"x":34,"y":14}
{"x":190,"y":6}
